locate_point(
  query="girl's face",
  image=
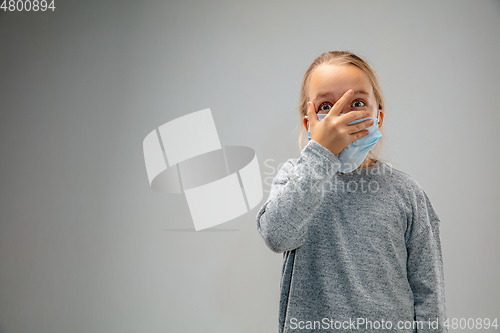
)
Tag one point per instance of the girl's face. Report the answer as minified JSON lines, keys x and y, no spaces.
{"x":329,"y":82}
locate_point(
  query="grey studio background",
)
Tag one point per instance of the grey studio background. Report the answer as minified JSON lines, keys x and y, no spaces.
{"x":87,"y":246}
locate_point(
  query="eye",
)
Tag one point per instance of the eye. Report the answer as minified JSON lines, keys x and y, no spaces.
{"x":357,"y":102}
{"x":326,"y":106}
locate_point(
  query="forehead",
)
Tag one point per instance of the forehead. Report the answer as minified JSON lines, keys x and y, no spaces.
{"x":337,"y":80}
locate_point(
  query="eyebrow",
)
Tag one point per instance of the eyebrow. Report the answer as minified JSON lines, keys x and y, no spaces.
{"x":324,"y":94}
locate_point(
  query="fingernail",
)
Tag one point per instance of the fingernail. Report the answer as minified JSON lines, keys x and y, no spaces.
{"x":350,"y":91}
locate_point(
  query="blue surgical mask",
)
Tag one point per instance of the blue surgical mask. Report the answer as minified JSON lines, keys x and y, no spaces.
{"x":355,"y":153}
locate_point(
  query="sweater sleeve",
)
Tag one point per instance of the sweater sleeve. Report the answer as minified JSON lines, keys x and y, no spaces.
{"x":425,"y":265}
{"x":296,"y":193}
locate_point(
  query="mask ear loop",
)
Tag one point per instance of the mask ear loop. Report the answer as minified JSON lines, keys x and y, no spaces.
{"x":308,"y":128}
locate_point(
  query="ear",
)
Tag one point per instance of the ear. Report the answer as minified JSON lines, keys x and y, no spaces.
{"x":305,"y":122}
{"x":381,"y":118}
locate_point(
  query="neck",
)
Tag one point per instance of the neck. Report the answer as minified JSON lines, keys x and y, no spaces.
{"x":368,"y":162}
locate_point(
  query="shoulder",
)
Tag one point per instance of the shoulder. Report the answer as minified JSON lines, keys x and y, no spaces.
{"x":399,"y":178}
{"x":404,"y":185}
{"x":283,"y":170}
{"x":410,"y":189}
{"x":291,"y":162}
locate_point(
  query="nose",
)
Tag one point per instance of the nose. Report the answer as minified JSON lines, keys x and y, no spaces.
{"x":345,"y":110}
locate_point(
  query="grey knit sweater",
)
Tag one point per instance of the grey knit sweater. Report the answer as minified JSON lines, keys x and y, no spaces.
{"x":361,"y":251}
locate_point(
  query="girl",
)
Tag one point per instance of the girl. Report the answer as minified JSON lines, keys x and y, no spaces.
{"x":360,"y":240}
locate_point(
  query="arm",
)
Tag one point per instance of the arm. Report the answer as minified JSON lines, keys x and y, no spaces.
{"x":425,"y":264}
{"x":296,"y":193}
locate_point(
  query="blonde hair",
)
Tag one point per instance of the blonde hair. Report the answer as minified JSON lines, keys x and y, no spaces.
{"x":340,"y":58}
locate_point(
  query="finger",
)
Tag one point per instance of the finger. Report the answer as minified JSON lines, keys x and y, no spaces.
{"x":312,"y":117}
{"x":358,"y":135}
{"x":337,"y":108}
{"x":353,"y":128}
{"x":354,"y":116}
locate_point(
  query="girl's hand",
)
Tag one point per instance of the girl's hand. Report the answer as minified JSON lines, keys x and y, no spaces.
{"x":333,"y":132}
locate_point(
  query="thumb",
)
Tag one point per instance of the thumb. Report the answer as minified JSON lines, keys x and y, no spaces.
{"x":312,"y":117}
